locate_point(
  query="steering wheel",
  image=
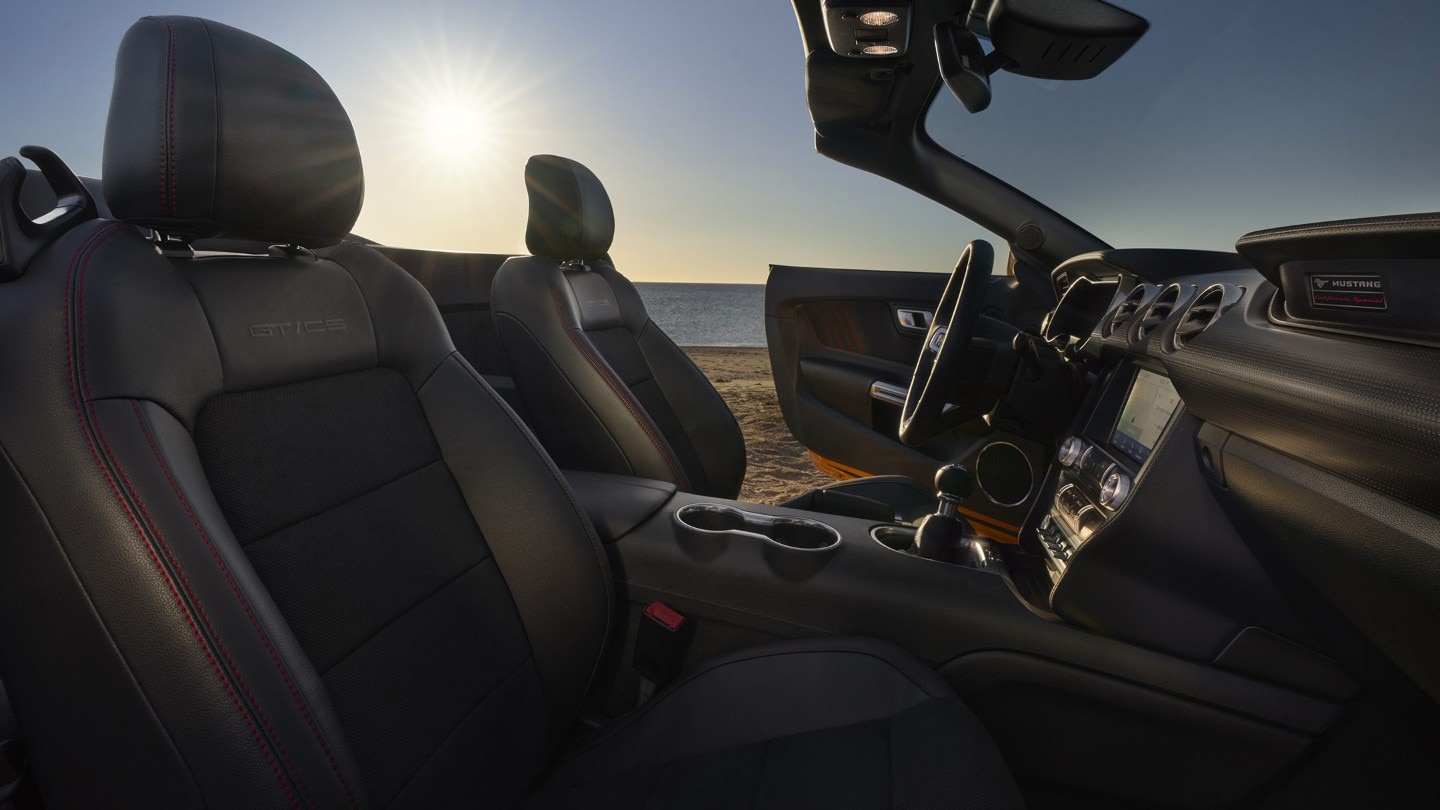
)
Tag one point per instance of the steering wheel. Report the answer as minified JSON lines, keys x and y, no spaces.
{"x":924,"y":415}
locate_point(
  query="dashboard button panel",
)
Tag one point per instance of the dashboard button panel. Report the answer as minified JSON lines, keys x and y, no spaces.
{"x":1071,"y":451}
{"x":1092,"y":485}
{"x":1115,"y":489}
{"x":1095,"y":464}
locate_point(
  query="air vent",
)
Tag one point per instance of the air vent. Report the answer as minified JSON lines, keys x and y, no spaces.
{"x":1159,"y":310}
{"x":1062,"y":283}
{"x":1205,"y":310}
{"x":1122,"y":313}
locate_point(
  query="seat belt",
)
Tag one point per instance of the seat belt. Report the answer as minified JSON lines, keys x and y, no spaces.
{"x":21,"y":239}
{"x":660,"y":645}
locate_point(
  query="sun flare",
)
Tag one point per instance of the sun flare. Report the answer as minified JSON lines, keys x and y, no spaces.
{"x":453,"y":112}
{"x":447,"y":141}
{"x":455,"y":128}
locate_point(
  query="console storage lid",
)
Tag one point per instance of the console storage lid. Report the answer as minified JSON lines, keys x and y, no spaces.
{"x":616,"y":504}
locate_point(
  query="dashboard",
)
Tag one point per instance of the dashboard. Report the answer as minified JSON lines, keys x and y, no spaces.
{"x":1082,"y":303}
{"x":1100,"y":464}
{"x":1105,"y":312}
{"x":1228,"y":439}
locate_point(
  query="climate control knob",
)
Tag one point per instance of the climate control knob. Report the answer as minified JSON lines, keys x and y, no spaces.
{"x":1114,"y":489}
{"x":1071,"y":450}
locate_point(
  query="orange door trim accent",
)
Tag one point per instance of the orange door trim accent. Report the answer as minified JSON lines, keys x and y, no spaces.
{"x":834,"y":469}
{"x":997,"y":530}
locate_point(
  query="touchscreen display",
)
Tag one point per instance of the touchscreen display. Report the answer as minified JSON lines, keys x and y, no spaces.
{"x":1147,"y":411}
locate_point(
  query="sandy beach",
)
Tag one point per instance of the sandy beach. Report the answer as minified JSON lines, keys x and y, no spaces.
{"x":778,"y":467}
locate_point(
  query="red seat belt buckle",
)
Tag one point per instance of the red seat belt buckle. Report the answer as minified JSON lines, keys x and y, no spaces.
{"x":660,"y":645}
{"x":668,"y":617}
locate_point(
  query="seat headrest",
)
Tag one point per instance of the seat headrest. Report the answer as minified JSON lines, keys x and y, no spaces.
{"x":570,"y":213}
{"x":216,"y":132}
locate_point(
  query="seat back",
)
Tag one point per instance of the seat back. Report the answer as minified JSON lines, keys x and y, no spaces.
{"x":269,"y":539}
{"x":606,"y":390}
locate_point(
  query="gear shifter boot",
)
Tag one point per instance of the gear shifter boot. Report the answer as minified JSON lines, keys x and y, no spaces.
{"x":944,"y":537}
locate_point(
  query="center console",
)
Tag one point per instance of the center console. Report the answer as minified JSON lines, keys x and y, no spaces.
{"x":743,"y":573}
{"x":1100,"y":465}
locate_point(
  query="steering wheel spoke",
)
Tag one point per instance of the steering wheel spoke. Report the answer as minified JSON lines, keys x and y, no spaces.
{"x":925,"y":413}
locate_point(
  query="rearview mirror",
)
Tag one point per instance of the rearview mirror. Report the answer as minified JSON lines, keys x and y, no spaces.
{"x":1066,"y":40}
{"x":962,"y":65}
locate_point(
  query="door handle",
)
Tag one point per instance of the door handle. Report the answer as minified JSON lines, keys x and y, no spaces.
{"x":914,"y":320}
{"x":889,"y":393}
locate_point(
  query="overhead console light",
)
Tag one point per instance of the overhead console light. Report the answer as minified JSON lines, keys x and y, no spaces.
{"x":867,"y":31}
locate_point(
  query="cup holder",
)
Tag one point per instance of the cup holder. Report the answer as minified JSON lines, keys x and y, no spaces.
{"x":795,"y":533}
{"x":895,"y":538}
{"x":708,"y":518}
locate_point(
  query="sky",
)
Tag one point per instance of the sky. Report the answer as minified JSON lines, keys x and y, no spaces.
{"x":694,"y":117}
{"x":1228,"y":116}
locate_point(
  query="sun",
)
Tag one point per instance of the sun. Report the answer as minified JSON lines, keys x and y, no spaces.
{"x":453,"y":115}
{"x":447,"y":124}
{"x":455,"y":128}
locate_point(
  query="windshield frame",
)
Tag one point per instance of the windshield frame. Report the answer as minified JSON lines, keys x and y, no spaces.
{"x":868,"y":114}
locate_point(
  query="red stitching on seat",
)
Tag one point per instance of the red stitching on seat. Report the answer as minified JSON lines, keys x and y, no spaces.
{"x":89,"y":247}
{"x":603,"y":370}
{"x":245,"y":604}
{"x":190,"y":591}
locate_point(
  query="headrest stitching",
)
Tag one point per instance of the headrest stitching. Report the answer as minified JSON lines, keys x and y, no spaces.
{"x":313,"y":204}
{"x":215,"y":125}
{"x":172,"y":48}
{"x":167,"y":127}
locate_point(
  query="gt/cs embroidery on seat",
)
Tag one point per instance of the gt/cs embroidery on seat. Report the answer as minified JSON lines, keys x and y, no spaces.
{"x":289,"y":328}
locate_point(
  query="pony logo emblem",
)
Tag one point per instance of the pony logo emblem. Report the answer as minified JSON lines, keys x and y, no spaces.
{"x":1348,"y":291}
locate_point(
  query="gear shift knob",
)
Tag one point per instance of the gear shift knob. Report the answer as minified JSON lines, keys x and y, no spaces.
{"x":953,"y":485}
{"x":952,"y":479}
{"x":941,"y":536}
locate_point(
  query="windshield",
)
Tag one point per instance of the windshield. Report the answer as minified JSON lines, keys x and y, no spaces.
{"x":1226,"y":117}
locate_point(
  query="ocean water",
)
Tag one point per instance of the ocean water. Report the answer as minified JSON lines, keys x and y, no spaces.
{"x":707,"y":314}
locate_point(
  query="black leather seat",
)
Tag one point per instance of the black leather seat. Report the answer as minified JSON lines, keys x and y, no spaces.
{"x":826,"y":723}
{"x":605,"y":388}
{"x":270,"y":541}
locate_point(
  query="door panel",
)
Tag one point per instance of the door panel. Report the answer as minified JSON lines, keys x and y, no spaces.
{"x":832,"y":334}
{"x":842,"y":348}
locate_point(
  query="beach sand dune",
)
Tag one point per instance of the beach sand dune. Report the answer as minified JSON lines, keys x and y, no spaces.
{"x":778,"y":467}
